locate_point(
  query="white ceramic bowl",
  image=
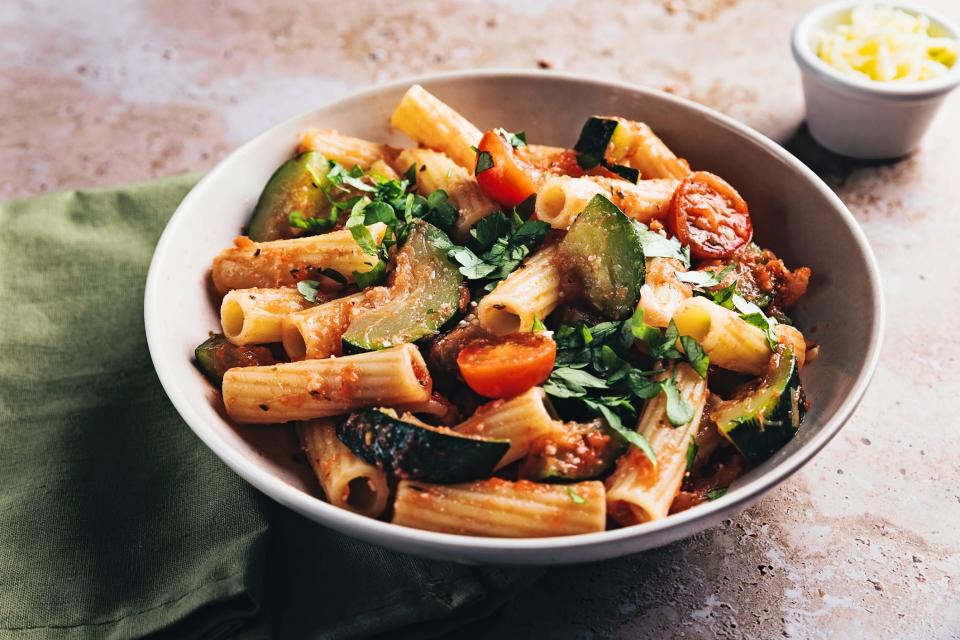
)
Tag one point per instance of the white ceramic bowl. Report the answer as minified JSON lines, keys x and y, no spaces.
{"x":794,"y":213}
{"x":862,"y":118}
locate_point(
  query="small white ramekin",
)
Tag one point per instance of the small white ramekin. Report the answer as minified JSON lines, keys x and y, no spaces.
{"x":863,"y":118}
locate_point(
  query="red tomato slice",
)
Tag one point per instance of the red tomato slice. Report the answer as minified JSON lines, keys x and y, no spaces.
{"x":507,"y":366}
{"x":510,"y":180}
{"x":710,"y":216}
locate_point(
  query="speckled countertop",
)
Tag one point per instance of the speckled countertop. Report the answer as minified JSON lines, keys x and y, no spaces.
{"x":863,"y":543}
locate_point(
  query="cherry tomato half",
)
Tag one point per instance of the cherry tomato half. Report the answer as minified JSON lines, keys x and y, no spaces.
{"x":710,"y":216}
{"x":507,"y":366}
{"x":510,"y":180}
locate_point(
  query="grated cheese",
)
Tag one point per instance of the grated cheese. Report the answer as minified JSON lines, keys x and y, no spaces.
{"x":887,"y":45}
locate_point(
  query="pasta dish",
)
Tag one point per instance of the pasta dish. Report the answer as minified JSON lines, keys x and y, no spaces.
{"x":481,"y":335}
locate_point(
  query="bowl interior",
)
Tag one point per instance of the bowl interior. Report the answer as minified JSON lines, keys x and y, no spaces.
{"x":794,"y":214}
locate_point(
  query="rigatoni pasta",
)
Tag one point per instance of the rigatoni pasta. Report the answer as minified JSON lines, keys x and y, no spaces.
{"x":502,"y":509}
{"x":434,"y":124}
{"x":346,"y":150}
{"x":283,"y":262}
{"x":255,"y":316}
{"x":347,"y":481}
{"x":326,"y":387}
{"x":485,"y":336}
{"x":640,"y":489}
{"x":531,"y":292}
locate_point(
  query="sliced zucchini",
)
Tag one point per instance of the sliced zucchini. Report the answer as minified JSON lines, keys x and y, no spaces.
{"x":425,"y":295}
{"x":299,"y":184}
{"x":575,"y":451}
{"x":216,"y":354}
{"x":765,"y":419}
{"x":420,"y":451}
{"x":602,"y":250}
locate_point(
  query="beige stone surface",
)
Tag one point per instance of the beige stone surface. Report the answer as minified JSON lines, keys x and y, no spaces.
{"x":863,"y":543}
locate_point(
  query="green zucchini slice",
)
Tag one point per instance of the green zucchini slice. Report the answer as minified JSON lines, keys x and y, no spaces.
{"x":574,"y":451}
{"x":602,"y":250}
{"x":300,"y":184}
{"x":216,"y":354}
{"x":425,"y":295}
{"x":761,"y":422}
{"x":419,"y":451}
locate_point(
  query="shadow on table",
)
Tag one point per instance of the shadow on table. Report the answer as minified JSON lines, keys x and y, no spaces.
{"x":834,"y":169}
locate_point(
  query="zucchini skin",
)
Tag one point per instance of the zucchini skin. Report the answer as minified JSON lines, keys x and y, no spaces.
{"x":602,"y":249}
{"x":291,"y":188}
{"x":417,"y":452}
{"x":767,"y":419}
{"x":215,"y":355}
{"x":427,"y":303}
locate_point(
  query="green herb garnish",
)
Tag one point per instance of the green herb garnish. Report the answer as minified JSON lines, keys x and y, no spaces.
{"x":715,"y":494}
{"x":691,"y":455}
{"x":484,"y":162}
{"x":575,"y":497}
{"x":309,"y":289}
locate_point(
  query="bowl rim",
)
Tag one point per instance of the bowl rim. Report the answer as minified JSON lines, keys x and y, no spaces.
{"x":810,"y":62}
{"x":343,"y":520}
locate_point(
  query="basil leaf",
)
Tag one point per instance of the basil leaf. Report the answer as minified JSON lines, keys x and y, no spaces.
{"x":642,"y":386}
{"x":518,"y":139}
{"x":538,"y":324}
{"x":691,"y":455}
{"x":312,"y":225}
{"x":679,"y":412}
{"x":308,"y":289}
{"x":715,"y":494}
{"x":754,"y":315}
{"x":631,"y":436}
{"x":363,"y":238}
{"x":575,"y":497}
{"x":641,"y":330}
{"x":336,"y":276}
{"x":706,"y":279}
{"x":410,"y":175}
{"x":484,"y":162}
{"x":656,"y":245}
{"x":695,"y":355}
{"x":375,"y":276}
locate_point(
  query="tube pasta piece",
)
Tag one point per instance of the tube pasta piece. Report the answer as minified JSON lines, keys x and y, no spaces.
{"x":434,"y":171}
{"x":521,"y":420}
{"x":316,"y":332}
{"x":501,"y":508}
{"x":347,"y":481}
{"x":530,"y":292}
{"x":434,"y":124}
{"x":730,"y":341}
{"x":638,"y":491}
{"x":255,"y":316}
{"x":282,"y":262}
{"x":644,"y":201}
{"x":662,"y":292}
{"x":329,"y":387}
{"x":562,"y":198}
{"x":635,"y":144}
{"x":348,"y":151}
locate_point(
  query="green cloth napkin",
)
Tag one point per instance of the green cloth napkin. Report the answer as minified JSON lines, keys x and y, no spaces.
{"x":115,"y":521}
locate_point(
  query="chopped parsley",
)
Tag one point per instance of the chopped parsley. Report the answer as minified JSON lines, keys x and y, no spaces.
{"x":308,"y":289}
{"x":716,"y":494}
{"x":575,"y":497}
{"x":518,"y":139}
{"x":497,"y":246}
{"x":692,"y":449}
{"x":484,"y":162}
{"x":592,"y":376}
{"x":538,"y":324}
{"x":656,"y":245}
